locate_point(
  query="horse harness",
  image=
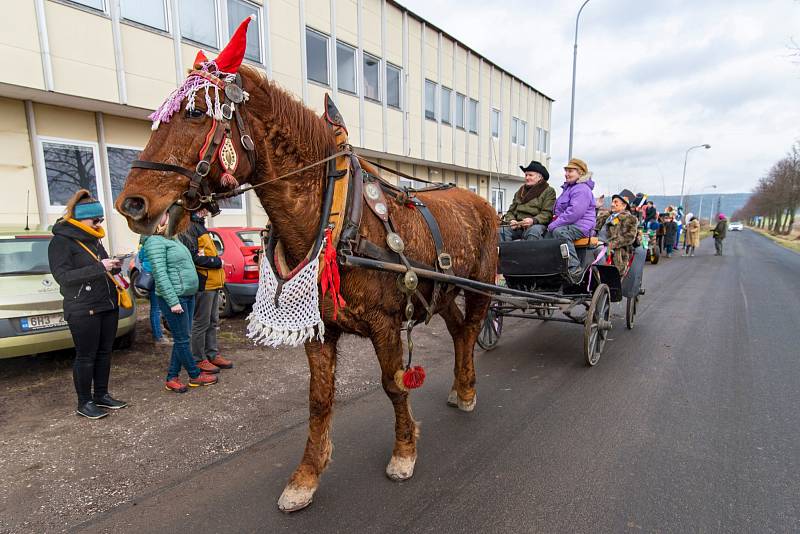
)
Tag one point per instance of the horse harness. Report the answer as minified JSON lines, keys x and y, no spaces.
{"x":218,"y":146}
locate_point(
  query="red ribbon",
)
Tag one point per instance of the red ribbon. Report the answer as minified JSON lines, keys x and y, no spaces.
{"x":330,"y":279}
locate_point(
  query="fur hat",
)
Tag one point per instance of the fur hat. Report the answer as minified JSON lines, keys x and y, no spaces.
{"x":577,"y":164}
{"x":535,"y":166}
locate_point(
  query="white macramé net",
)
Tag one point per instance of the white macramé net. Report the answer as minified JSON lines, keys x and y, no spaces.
{"x":293,"y":321}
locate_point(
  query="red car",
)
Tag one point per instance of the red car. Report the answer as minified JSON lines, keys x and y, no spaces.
{"x":238,"y":246}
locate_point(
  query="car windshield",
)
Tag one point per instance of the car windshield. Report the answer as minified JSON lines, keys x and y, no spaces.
{"x":250,"y":238}
{"x":24,"y":255}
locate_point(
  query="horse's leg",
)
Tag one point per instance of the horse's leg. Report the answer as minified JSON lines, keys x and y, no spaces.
{"x":464,"y":329}
{"x":305,"y":479}
{"x":389,"y":349}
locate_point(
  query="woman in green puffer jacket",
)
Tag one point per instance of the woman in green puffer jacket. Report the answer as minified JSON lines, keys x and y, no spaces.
{"x":176,"y":284}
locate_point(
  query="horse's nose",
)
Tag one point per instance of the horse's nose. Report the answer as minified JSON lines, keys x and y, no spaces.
{"x":133,"y":207}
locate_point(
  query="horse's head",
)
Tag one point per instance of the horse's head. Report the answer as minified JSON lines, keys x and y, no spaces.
{"x":200,"y":145}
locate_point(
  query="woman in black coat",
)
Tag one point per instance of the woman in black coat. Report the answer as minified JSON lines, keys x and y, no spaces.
{"x":90,"y":299}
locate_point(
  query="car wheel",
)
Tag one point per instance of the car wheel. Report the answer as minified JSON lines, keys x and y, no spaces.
{"x":225,"y":305}
{"x":126,"y":341}
{"x":138,"y":292}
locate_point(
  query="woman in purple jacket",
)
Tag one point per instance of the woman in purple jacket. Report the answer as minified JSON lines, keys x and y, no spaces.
{"x":574,"y":212}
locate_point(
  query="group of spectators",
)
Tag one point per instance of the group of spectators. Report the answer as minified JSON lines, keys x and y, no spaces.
{"x":669,"y":228}
{"x":187,"y":274}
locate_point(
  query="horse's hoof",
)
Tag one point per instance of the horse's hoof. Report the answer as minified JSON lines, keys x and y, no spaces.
{"x":465,"y":406}
{"x":452,"y":398}
{"x":401,"y":468}
{"x":294,"y":499}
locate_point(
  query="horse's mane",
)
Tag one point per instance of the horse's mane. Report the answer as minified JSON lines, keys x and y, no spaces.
{"x":293,"y":120}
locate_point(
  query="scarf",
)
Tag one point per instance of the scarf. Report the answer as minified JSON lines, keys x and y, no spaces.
{"x":527,"y":193}
{"x":99,"y":233}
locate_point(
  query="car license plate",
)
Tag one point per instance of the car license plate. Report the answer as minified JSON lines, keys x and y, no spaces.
{"x":40,"y":322}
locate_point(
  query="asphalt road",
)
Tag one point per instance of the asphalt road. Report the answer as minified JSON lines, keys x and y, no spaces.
{"x":689,"y":423}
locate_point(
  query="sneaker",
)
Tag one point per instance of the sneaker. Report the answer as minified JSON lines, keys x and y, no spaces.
{"x":90,"y":410}
{"x":162,"y":341}
{"x":203,"y":379}
{"x":207,"y":367}
{"x":222,"y":363}
{"x":107,"y":401}
{"x":174,"y":384}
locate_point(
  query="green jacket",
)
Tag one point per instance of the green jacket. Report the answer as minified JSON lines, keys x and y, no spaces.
{"x":721,"y":229}
{"x":540,"y":209}
{"x":173,"y":268}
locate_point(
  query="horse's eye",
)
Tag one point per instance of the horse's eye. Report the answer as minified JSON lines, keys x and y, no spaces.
{"x":195,"y":113}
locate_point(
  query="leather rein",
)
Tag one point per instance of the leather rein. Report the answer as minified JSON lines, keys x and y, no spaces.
{"x":218,"y":147}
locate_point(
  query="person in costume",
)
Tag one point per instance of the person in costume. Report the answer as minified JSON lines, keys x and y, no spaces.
{"x":692,"y":234}
{"x":82,"y":268}
{"x":619,"y":229}
{"x":532,"y":208}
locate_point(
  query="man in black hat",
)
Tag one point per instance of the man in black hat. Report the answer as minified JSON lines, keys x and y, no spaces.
{"x":532,"y":208}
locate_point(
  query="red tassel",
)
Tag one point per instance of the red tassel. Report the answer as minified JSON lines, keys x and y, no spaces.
{"x":229,"y":180}
{"x":330,"y":279}
{"x":413,"y":377}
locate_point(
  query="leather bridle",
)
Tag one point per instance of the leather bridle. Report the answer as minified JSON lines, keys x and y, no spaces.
{"x":218,"y":147}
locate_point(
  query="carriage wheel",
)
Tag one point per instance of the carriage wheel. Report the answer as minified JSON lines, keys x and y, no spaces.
{"x":491,"y":329}
{"x":630,"y":311}
{"x":596,"y":325}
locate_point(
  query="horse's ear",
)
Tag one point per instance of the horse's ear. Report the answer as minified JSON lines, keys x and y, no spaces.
{"x":199,"y":59}
{"x":230,"y":59}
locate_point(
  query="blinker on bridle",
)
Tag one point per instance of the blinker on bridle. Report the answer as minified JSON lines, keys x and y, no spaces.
{"x":218,"y":146}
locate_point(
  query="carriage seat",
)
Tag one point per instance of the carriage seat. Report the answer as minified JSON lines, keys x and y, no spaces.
{"x":586,"y":242}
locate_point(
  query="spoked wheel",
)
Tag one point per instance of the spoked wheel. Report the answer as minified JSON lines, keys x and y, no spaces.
{"x":491,"y":329}
{"x":597,"y":325}
{"x":632,"y":303}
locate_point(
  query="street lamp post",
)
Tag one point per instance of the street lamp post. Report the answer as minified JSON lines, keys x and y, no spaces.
{"x":686,"y":159}
{"x":574,"y":63}
{"x":702,"y":196}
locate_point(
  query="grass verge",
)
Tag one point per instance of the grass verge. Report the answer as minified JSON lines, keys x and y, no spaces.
{"x":787,"y":241}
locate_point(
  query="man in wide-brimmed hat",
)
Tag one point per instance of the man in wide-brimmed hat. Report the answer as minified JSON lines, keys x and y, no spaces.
{"x":618,"y":229}
{"x":574,"y":210}
{"x":532,"y":208}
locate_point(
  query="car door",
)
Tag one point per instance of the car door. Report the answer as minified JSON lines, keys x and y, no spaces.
{"x":222,"y":251}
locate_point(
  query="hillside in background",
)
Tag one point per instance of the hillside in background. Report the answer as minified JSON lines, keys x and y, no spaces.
{"x":726,"y":203}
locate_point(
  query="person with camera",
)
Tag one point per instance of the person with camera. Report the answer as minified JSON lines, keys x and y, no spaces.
{"x":83,"y":269}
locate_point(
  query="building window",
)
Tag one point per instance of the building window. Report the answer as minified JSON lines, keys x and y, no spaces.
{"x":430,"y":100}
{"x":199,"y":21}
{"x":546,"y":144}
{"x":472,"y":115}
{"x":473,"y":188}
{"x":346,"y":67}
{"x":522,"y":135}
{"x":495,"y":120}
{"x":460,"y":100}
{"x":543,"y":140}
{"x":316,"y":56}
{"x":152,"y":13}
{"x":499,"y":199}
{"x":372,"y":77}
{"x":447,"y":95}
{"x":238,"y":10}
{"x":392,"y":86}
{"x":233,"y":204}
{"x":119,"y":165}
{"x":99,"y":5}
{"x":69,"y":167}
{"x":411,"y":184}
{"x":538,"y":139}
{"x":514,"y":128}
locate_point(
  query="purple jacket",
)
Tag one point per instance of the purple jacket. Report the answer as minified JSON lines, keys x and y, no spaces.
{"x":575,"y":206}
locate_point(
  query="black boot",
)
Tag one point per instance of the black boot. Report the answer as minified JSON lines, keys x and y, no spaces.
{"x":107,"y":401}
{"x":90,"y":410}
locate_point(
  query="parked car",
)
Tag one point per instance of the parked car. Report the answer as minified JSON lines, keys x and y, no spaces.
{"x":735,"y":226}
{"x":31,"y":307}
{"x":238,"y":246}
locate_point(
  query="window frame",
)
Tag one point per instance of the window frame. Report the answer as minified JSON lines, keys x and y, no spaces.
{"x":476,"y":107}
{"x":141,"y":25}
{"x":494,"y":132}
{"x":364,"y":56}
{"x":57,"y":209}
{"x":122,"y":147}
{"x":262,"y":48}
{"x":496,"y":194}
{"x":435,"y":117}
{"x":514,"y":130}
{"x":89,"y":9}
{"x":449,"y":107}
{"x":387,"y":66}
{"x":219,"y":28}
{"x":354,"y":49}
{"x":327,"y":57}
{"x":523,"y":139}
{"x":463,"y":125}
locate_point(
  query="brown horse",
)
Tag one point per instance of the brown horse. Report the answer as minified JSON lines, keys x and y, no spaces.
{"x":289,"y":136}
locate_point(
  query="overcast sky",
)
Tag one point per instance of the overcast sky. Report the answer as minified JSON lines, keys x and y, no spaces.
{"x":654,"y":78}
